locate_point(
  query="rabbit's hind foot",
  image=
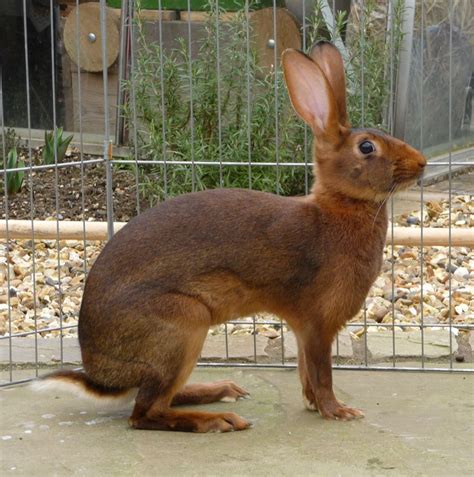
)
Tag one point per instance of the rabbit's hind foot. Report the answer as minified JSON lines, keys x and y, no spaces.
{"x":190,"y":421}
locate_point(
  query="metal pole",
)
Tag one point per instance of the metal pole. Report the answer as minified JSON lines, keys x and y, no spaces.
{"x":31,"y":186}
{"x":124,"y":68}
{"x":107,"y":143}
{"x":404,"y":68}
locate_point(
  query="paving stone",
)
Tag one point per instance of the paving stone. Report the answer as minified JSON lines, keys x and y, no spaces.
{"x":263,"y":349}
{"x":240,"y":347}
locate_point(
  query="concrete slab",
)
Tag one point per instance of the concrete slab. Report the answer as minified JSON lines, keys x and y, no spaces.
{"x":408,"y":344}
{"x":416,"y":424}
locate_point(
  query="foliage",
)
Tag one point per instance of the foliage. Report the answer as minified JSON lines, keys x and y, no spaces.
{"x":14,"y":178}
{"x":11,"y":141}
{"x":55,"y":146}
{"x":220,"y":106}
{"x":374,"y":52}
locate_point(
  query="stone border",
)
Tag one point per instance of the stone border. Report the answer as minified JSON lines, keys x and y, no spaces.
{"x":249,"y":348}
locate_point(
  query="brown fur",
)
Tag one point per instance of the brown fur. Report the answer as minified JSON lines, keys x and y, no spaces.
{"x":204,"y":258}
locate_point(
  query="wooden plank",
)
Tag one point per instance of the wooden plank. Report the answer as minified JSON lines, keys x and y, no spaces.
{"x":67,"y":84}
{"x":204,"y":16}
{"x":198,"y":5}
{"x":73,"y":230}
{"x":155,"y":15}
{"x":152,"y":15}
{"x":92,"y":96}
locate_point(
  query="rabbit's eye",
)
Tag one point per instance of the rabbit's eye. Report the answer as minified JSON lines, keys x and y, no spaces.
{"x":366,"y":147}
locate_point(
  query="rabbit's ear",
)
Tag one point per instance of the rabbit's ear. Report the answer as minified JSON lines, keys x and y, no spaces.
{"x":310,"y":93}
{"x":329,"y":59}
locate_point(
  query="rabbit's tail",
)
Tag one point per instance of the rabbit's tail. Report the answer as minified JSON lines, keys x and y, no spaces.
{"x":79,"y":384}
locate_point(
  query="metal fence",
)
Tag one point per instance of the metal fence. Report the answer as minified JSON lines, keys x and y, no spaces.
{"x":418,"y":316}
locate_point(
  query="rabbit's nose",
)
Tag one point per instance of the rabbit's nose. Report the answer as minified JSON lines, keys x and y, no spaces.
{"x":421,"y":159}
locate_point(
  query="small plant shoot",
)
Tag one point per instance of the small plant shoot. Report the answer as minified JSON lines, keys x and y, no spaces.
{"x":55,"y":146}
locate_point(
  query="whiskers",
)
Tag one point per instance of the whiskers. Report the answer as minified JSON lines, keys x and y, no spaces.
{"x":390,"y":194}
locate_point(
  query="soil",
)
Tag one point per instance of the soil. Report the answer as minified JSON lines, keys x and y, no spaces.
{"x":69,"y":194}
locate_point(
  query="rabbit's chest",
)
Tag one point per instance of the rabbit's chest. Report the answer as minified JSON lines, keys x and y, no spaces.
{"x":342,"y":288}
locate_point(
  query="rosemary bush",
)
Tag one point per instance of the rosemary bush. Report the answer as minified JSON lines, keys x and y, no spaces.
{"x":233,"y":111}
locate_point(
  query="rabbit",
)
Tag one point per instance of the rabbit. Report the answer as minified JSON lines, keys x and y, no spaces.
{"x":203,"y":258}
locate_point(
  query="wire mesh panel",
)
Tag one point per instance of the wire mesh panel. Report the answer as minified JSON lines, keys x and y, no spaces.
{"x":166,"y":97}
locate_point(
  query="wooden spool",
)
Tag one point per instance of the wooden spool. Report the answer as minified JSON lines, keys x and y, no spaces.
{"x":263,"y":35}
{"x":90,"y":37}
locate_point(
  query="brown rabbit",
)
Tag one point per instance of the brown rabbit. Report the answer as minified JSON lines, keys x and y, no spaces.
{"x":204,"y":258}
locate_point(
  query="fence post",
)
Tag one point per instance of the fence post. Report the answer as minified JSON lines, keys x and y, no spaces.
{"x":124,"y":65}
{"x":107,"y":144}
{"x":404,"y":69}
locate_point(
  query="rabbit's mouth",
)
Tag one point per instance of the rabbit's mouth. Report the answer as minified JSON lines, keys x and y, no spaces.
{"x":401,"y":184}
{"x":405,"y":183}
{"x":419,"y":181}
{"x":405,"y":176}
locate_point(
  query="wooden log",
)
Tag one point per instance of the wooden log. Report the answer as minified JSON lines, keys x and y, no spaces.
{"x":287,"y":31}
{"x":46,"y":230}
{"x":91,"y":49}
{"x":438,"y":237}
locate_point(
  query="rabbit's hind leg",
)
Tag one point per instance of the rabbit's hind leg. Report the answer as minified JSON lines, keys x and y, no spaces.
{"x":177,"y":349}
{"x":153,"y":412}
{"x":160,"y":416}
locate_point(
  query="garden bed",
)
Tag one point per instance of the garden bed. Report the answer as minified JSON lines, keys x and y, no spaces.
{"x":78,"y":196}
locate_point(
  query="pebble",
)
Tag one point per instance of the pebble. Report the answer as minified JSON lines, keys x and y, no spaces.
{"x":430,"y":320}
{"x":413,"y":220}
{"x":462,"y":273}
